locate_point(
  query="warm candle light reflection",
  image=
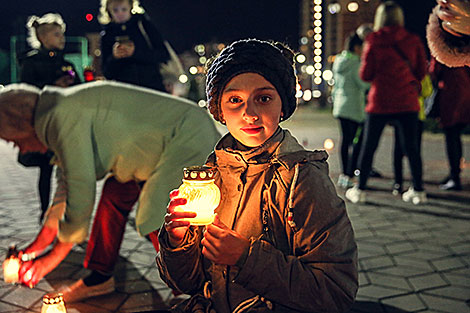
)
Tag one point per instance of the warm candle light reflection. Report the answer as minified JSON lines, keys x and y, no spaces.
{"x":11,"y":266}
{"x":203,"y":196}
{"x":329,"y":144}
{"x":53,"y":304}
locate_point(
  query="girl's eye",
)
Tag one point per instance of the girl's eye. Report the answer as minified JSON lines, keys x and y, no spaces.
{"x":234,"y":100}
{"x":264,"y":98}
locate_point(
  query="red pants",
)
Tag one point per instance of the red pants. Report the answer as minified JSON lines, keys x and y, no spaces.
{"x":117,"y":200}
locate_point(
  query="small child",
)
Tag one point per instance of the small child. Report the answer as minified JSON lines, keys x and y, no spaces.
{"x":132,"y":49}
{"x":282,"y":240}
{"x":45,"y":64}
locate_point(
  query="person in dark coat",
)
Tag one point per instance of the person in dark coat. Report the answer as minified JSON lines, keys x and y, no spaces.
{"x":45,"y":65}
{"x":454,"y":114}
{"x":394,"y":61}
{"x":132,"y":48}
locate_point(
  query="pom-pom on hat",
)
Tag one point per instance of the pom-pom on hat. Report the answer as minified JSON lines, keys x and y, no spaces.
{"x":273,"y":61}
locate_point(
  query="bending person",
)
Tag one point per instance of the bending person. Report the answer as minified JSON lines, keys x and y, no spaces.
{"x":94,"y":131}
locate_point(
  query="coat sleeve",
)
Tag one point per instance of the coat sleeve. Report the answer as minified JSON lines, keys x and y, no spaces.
{"x":69,"y":136}
{"x":181,"y":268}
{"x":107,"y":60}
{"x":362,"y":85}
{"x":157,"y":52}
{"x":321,"y":275}
{"x":420,"y":70}
{"x":367,"y":68}
{"x":29,"y":75}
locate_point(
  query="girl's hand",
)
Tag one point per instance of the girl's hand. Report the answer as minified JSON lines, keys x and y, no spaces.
{"x":123,"y":50}
{"x":455,"y":16}
{"x":222,"y":245}
{"x":174,"y":226}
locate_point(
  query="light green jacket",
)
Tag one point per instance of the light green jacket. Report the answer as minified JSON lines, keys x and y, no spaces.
{"x":349,"y":90}
{"x":133,"y":133}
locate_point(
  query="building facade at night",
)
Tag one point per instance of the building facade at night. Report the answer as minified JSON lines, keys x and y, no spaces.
{"x":324,"y":24}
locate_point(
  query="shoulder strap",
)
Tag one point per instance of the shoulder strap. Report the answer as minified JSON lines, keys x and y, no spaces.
{"x":403,"y":56}
{"x":144,"y":33}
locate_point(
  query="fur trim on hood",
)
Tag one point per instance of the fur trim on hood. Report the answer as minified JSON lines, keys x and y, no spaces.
{"x":446,"y":48}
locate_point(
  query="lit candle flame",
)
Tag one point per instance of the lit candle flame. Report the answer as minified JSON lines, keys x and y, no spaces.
{"x":329,"y":144}
{"x":11,"y":268}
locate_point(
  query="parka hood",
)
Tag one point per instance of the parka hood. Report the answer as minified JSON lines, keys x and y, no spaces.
{"x":447,"y":49}
{"x":345,"y":62}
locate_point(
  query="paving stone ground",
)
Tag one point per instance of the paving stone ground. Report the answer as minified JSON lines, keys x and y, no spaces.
{"x":411,"y":258}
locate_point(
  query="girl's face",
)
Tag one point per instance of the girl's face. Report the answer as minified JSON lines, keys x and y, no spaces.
{"x":53,"y":38}
{"x":120,"y":11}
{"x":251,"y":108}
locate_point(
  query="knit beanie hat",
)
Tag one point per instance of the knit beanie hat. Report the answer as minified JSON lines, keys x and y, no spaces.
{"x":273,"y":61}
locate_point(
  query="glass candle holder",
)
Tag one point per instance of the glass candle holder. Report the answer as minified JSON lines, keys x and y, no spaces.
{"x":11,"y":266}
{"x":53,"y":303}
{"x":201,"y":193}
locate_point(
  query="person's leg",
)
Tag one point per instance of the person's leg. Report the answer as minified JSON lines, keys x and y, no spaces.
{"x":398,"y":154}
{"x":44,"y":185}
{"x":409,"y":124}
{"x":117,"y":200}
{"x":454,"y":150}
{"x":374,"y":126}
{"x":348,"y":131}
{"x":357,"y":145}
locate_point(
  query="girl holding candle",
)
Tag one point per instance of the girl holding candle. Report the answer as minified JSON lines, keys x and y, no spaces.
{"x":281,"y":240}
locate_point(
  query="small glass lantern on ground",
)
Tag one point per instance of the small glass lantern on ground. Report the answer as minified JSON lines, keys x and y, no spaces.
{"x":53,"y":303}
{"x":11,"y":266}
{"x":202,"y":194}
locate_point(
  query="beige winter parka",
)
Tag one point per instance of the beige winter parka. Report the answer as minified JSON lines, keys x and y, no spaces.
{"x":306,"y":263}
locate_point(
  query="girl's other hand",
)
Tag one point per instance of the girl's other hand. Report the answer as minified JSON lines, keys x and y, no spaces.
{"x":174,"y":225}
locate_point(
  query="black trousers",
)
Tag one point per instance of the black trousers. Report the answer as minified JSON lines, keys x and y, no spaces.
{"x":454,"y":149}
{"x":399,"y":149}
{"x":373,"y":129}
{"x":351,"y":140}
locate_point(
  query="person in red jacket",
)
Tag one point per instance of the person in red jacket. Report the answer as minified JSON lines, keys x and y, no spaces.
{"x":454,"y":114}
{"x":394,"y":61}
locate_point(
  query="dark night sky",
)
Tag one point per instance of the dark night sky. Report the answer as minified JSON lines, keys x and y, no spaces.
{"x":183,"y":22}
{"x":188,"y":22}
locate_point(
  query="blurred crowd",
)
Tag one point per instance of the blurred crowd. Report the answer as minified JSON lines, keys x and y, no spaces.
{"x":383,"y":77}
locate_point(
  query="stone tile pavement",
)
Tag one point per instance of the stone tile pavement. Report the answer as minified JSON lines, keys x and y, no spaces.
{"x":411,"y":258}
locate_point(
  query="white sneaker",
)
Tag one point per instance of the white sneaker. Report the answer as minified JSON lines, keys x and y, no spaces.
{"x":355,"y":195}
{"x":415,"y":197}
{"x":344,"y":181}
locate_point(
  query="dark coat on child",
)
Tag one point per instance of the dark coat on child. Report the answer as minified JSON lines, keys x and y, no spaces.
{"x":43,"y":67}
{"x":142,"y":68}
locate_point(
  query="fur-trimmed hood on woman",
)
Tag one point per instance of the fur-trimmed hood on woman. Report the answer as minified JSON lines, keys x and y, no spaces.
{"x":447,"y":49}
